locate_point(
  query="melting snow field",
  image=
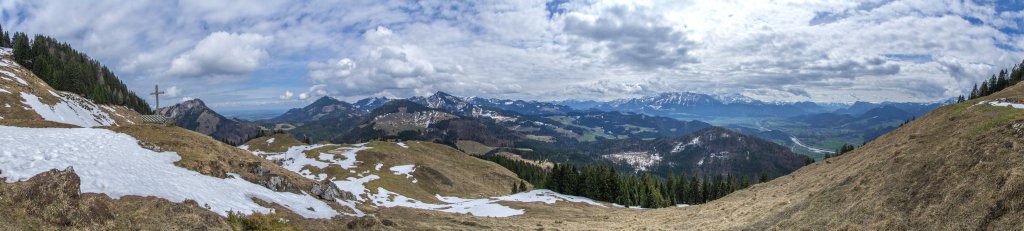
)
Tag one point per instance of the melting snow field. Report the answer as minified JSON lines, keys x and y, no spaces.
{"x":295,"y":160}
{"x":112,"y":163}
{"x":639,"y":160}
{"x":1006,"y":104}
{"x":68,"y":111}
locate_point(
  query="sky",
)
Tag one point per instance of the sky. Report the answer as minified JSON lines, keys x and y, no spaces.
{"x":282,"y":54}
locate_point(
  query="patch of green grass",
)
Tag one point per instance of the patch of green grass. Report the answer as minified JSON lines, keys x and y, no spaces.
{"x":315,"y":153}
{"x":548,"y":139}
{"x":637,"y":129}
{"x":1005,"y":115}
{"x":586,"y":138}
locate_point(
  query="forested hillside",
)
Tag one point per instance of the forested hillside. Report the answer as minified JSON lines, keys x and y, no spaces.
{"x":67,"y":69}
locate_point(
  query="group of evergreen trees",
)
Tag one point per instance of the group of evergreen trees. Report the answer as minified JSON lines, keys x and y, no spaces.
{"x":66,"y":69}
{"x":998,"y":82}
{"x":842,"y":150}
{"x":646,"y":190}
{"x":519,"y":187}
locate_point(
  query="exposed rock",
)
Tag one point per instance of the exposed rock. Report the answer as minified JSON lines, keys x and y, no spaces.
{"x":259,"y":170}
{"x":328,"y":191}
{"x":151,"y":147}
{"x":277,"y":183}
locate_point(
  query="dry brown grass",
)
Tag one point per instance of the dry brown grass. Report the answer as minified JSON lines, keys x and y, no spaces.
{"x":12,"y":106}
{"x":959,"y":167}
{"x":281,"y":143}
{"x":473,"y":147}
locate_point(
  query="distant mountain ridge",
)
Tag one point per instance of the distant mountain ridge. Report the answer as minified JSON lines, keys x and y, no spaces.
{"x":541,"y":131}
{"x":196,"y":116}
{"x":321,"y":109}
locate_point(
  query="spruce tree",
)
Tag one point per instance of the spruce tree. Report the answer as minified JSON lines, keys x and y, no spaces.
{"x":983,"y":89}
{"x":974,"y":92}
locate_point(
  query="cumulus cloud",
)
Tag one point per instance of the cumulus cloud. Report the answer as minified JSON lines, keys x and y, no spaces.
{"x":791,"y":50}
{"x":314,"y":91}
{"x":173,"y":91}
{"x":287,"y":95}
{"x":630,"y":34}
{"x":331,"y":70}
{"x":222,"y":53}
{"x":388,"y":64}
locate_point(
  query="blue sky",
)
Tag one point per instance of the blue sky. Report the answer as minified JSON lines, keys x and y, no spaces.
{"x":283,"y":54}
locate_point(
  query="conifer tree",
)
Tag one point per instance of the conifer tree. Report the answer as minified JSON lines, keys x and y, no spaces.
{"x":974,"y":92}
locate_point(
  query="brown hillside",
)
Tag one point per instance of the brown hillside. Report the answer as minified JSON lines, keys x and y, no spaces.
{"x":959,"y":167}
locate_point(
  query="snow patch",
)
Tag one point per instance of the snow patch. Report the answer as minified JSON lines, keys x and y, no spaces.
{"x":270,"y":141}
{"x":379,"y":165}
{"x":679,"y":147}
{"x":295,"y":159}
{"x":1005,"y":103}
{"x":15,"y":77}
{"x":404,"y":170}
{"x":402,"y":144}
{"x":69,"y":110}
{"x":641,"y":161}
{"x":114,"y":164}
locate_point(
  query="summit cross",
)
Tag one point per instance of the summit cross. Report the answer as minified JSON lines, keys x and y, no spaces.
{"x":157,"y":92}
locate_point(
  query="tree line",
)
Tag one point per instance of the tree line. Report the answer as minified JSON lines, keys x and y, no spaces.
{"x":645,"y":190}
{"x":996,"y":83}
{"x":66,"y":69}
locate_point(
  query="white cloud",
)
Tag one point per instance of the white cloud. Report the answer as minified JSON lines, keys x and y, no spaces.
{"x":173,"y":91}
{"x":801,"y":50}
{"x":314,"y":91}
{"x":222,"y":53}
{"x":287,"y":95}
{"x":331,"y":70}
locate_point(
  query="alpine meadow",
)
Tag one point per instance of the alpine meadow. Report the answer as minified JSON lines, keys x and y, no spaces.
{"x":512,"y":115}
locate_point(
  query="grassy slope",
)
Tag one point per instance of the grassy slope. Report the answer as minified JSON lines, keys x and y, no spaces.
{"x":439,"y":169}
{"x":17,"y":113}
{"x":958,"y":167}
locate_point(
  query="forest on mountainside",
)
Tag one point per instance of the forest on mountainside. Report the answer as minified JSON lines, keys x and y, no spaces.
{"x":646,"y":190}
{"x":67,"y":69}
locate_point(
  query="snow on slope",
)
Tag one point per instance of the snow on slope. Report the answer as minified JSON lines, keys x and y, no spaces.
{"x":70,"y":109}
{"x":114,"y":164}
{"x":1005,"y":103}
{"x":641,"y":161}
{"x":295,"y":160}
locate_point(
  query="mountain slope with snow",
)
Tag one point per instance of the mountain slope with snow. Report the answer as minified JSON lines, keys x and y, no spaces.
{"x":25,"y":97}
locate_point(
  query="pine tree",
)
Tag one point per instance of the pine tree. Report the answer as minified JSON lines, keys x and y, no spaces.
{"x":763,"y":178}
{"x":974,"y":92}
{"x":22,"y":50}
{"x":682,"y":189}
{"x":522,"y":186}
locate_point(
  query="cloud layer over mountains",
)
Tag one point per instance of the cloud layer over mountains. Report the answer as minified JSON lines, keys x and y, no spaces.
{"x":237,"y":54}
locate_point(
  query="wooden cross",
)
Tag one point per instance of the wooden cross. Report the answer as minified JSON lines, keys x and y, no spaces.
{"x":157,"y":92}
